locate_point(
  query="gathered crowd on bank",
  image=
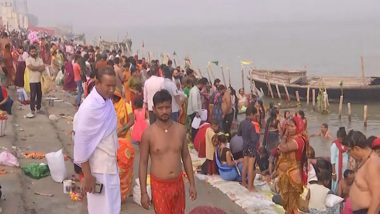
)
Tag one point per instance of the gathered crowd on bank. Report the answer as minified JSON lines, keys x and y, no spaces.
{"x":129,"y":104}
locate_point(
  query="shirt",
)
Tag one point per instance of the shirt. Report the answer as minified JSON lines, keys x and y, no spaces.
{"x":103,"y":160}
{"x":34,"y":76}
{"x":77,"y":70}
{"x":248,"y":133}
{"x":151,"y":86}
{"x":173,"y":90}
{"x":194,"y":103}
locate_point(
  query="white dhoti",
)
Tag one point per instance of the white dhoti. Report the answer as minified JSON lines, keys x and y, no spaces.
{"x":109,"y":200}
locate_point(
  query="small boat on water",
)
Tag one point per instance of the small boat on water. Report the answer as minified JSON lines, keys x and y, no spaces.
{"x":354,"y":89}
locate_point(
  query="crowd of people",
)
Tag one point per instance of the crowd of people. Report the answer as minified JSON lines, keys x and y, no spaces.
{"x":116,"y":95}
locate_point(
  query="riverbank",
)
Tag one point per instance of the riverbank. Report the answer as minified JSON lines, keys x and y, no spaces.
{"x":45,"y":135}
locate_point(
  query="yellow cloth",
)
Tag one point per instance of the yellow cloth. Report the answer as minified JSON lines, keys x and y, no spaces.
{"x":210,"y":149}
{"x":290,"y":181}
{"x":122,"y":110}
{"x":26,"y":80}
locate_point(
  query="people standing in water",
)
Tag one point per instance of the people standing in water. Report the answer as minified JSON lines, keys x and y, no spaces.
{"x":323,"y":133}
{"x":164,"y":142}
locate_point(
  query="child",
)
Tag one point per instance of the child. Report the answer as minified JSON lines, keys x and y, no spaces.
{"x":250,"y":136}
{"x":345,"y":184}
{"x":140,"y":121}
{"x":209,"y":166}
{"x":319,"y":191}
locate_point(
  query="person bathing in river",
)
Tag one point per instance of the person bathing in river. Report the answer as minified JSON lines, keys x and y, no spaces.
{"x":323,"y":133}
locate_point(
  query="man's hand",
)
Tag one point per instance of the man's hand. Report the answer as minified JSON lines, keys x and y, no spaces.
{"x":193,"y":192}
{"x":88,"y":184}
{"x":145,"y":200}
{"x":334,"y":176}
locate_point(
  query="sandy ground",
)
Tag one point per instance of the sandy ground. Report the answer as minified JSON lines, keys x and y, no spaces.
{"x":45,"y":135}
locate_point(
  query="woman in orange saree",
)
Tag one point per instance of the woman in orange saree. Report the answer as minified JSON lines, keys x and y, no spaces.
{"x":291,"y":164}
{"x":125,"y":152}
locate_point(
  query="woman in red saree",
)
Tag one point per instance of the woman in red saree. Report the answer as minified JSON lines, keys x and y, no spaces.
{"x":291,"y":167}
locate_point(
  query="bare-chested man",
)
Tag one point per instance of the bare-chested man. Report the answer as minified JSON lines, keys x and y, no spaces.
{"x":164,"y":142}
{"x":365,"y":191}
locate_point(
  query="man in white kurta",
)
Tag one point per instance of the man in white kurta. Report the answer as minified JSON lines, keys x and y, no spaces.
{"x":95,"y":147}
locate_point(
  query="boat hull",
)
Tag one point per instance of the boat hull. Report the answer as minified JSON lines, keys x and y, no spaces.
{"x":351,"y":94}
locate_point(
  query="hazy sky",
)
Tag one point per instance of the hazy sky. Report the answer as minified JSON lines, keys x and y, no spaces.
{"x":127,"y":13}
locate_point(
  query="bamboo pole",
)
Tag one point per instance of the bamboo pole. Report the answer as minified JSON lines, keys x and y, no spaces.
{"x":340,"y":107}
{"x":208,"y":74}
{"x":313,"y":98}
{"x":298,"y":97}
{"x":349,"y":112}
{"x":270,"y":89}
{"x":362,"y":68}
{"x":224,"y":78}
{"x":365,"y":117}
{"x":287,"y":92}
{"x":229,"y":76}
{"x":242,"y":78}
{"x":278,"y":92}
{"x":307,"y":95}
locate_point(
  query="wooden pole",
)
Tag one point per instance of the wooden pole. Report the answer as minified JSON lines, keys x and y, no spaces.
{"x":362,"y":68}
{"x":313,"y":98}
{"x":270,"y":89}
{"x":298,"y":97}
{"x":287,"y":92}
{"x":242,"y":78}
{"x":278,"y":92}
{"x":208,"y":74}
{"x":200,"y":72}
{"x":365,"y":115}
{"x":229,"y":76}
{"x":340,"y":107}
{"x":349,"y":112}
{"x":307,"y":95}
{"x":224,"y":77}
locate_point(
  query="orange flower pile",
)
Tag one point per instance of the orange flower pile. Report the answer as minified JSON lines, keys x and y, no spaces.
{"x":34,"y":155}
{"x":74,"y":196}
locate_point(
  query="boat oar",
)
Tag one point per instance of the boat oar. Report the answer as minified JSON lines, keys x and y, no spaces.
{"x":208,"y":74}
{"x":229,"y":76}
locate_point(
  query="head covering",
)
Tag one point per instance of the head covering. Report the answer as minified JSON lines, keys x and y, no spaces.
{"x":376,"y":143}
{"x":95,"y":119}
{"x":300,"y":126}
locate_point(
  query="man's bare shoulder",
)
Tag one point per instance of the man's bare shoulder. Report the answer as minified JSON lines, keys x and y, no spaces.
{"x":374,"y":164}
{"x":179,"y":127}
{"x":147,"y":132}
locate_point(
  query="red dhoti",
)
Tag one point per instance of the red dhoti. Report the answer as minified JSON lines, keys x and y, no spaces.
{"x":168,"y":195}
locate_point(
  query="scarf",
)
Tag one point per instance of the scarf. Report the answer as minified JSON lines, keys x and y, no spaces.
{"x":95,"y":120}
{"x":341,"y":149}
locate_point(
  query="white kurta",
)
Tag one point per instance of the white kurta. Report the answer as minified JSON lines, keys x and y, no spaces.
{"x":104,"y":168}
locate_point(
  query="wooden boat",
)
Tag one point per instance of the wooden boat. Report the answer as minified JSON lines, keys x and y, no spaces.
{"x":354,"y":89}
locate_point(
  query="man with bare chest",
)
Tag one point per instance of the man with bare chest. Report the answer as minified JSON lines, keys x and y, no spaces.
{"x":365,"y":190}
{"x":164,"y":142}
